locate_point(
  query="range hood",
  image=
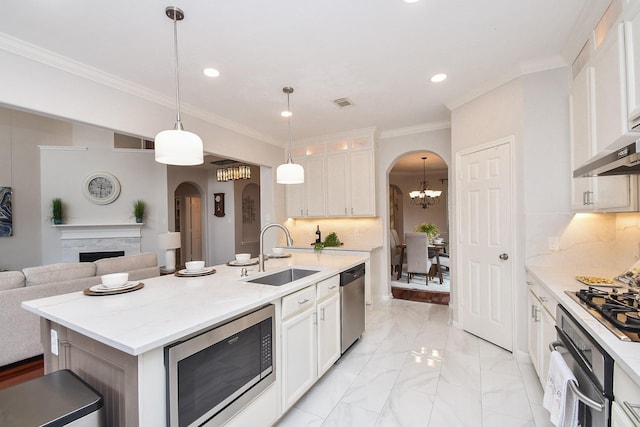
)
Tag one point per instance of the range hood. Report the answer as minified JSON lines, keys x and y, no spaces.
{"x":625,"y":161}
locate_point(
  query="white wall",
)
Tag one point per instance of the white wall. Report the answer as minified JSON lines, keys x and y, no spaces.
{"x":63,"y":170}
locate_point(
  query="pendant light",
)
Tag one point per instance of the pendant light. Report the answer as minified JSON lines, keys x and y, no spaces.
{"x":289,"y":173}
{"x":177,"y":146}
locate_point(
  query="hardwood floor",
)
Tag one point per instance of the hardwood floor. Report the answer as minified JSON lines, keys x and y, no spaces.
{"x":421,"y":296}
{"x":19,"y":372}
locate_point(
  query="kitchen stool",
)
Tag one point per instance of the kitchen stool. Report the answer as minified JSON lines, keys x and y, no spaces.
{"x":57,"y":399}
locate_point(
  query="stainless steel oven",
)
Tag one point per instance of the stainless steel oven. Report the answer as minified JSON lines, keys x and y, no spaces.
{"x":213,"y":375}
{"x":592,"y":367}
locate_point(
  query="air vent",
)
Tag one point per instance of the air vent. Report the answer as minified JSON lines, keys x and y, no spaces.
{"x":343,"y":102}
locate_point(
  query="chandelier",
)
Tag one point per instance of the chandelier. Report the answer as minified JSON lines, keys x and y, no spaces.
{"x":425,"y":197}
{"x":233,"y":172}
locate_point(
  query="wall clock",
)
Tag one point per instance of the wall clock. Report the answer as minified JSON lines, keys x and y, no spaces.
{"x":218,"y":204}
{"x":101,"y":188}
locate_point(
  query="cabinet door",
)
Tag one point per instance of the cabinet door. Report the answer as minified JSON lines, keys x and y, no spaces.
{"x":609,"y":98}
{"x":534,"y":331}
{"x":328,"y":332}
{"x":362,"y":182}
{"x":299,"y":369}
{"x":337,"y":184}
{"x":632,"y":42}
{"x":314,"y":186}
{"x":547,"y":336}
{"x":295,"y":197}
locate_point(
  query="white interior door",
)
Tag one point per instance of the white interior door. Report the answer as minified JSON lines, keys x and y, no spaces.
{"x":485,"y":243}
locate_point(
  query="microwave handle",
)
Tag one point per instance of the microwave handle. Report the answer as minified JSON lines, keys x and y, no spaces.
{"x":573,"y":385}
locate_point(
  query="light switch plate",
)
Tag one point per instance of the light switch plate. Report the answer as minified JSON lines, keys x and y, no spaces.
{"x":554,"y":243}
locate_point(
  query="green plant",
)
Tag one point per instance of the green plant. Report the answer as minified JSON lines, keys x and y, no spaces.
{"x":56,"y":210}
{"x":429,"y":228}
{"x":138,"y":208}
{"x":330,"y":241}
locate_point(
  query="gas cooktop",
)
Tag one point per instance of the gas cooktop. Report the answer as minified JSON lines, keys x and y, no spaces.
{"x":618,"y":310}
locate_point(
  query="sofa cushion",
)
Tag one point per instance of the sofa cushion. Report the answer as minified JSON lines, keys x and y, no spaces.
{"x":60,"y":272}
{"x":11,"y":280}
{"x":121,"y":264}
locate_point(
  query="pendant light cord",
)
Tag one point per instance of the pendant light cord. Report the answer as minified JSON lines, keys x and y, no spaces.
{"x":289,"y":123}
{"x":175,"y":46}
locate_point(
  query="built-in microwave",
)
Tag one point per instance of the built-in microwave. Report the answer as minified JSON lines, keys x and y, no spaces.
{"x":213,"y":375}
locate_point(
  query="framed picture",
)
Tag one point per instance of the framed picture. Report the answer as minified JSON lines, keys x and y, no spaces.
{"x":6,"y":214}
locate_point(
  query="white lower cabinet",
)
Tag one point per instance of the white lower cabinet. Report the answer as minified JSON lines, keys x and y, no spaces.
{"x":626,"y":394}
{"x":328,"y":294}
{"x":541,"y":327}
{"x":310,"y":337}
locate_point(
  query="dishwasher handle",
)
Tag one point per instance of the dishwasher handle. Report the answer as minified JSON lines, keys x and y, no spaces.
{"x":573,"y":385}
{"x":351,"y":275}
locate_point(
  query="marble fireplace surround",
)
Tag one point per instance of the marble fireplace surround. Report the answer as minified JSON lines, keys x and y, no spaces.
{"x":80,"y":238}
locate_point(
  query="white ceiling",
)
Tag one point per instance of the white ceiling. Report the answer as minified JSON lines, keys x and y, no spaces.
{"x":378,"y":53}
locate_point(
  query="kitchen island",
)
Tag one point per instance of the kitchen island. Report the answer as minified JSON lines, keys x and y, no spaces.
{"x":126,"y":334}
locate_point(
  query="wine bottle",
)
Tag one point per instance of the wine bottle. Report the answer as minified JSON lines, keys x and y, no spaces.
{"x":318,"y":235}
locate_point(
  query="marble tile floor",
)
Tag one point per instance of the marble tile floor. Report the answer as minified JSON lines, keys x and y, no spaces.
{"x":411,"y":368}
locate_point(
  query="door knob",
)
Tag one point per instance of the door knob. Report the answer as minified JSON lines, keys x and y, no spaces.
{"x":504,"y":257}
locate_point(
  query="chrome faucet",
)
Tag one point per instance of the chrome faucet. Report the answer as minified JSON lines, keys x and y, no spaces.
{"x":265,"y":228}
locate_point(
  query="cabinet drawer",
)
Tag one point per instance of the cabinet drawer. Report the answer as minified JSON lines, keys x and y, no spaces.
{"x":298,"y":301}
{"x":548,"y":302}
{"x":328,"y":287}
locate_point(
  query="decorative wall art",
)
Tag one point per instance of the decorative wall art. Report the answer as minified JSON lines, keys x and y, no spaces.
{"x":6,"y":214}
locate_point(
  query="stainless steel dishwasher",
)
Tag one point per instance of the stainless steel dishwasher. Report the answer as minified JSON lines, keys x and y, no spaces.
{"x":351,"y":306}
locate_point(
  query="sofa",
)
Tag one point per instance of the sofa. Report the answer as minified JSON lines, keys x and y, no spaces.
{"x":20,"y":329}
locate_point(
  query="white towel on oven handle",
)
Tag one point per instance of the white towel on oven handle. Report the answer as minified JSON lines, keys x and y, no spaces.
{"x":559,"y":399}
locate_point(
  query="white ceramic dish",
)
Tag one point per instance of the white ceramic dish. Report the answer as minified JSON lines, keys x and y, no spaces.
{"x":102,"y":288}
{"x":114,"y":280}
{"x":194,"y":266}
{"x":186,"y":272}
{"x":243,"y":263}
{"x":280,"y":255}
{"x":243,"y":257}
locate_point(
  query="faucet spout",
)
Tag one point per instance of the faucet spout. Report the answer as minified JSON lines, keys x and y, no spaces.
{"x":265,"y":228}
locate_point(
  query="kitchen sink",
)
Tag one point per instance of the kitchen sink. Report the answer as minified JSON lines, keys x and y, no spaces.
{"x":283,"y":277}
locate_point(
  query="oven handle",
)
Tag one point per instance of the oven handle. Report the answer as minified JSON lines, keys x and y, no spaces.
{"x":573,"y":385}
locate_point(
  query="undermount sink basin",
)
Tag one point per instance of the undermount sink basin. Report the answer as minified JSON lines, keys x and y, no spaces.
{"x":283,"y":277}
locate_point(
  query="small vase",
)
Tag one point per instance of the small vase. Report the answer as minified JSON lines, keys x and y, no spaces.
{"x":139,"y":220}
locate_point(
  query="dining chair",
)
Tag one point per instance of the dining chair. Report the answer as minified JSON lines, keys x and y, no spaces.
{"x":418,"y":261}
{"x":396,"y":254}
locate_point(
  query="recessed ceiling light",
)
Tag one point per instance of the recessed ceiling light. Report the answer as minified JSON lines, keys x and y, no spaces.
{"x":286,"y":114}
{"x":411,"y":1}
{"x":211,"y":72}
{"x":437,"y":78}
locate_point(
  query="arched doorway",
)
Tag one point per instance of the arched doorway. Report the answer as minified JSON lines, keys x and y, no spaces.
{"x":188,"y":221}
{"x":426,"y":283}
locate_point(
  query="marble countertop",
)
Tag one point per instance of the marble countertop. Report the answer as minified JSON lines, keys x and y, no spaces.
{"x":336,"y":248}
{"x":557,"y":280}
{"x":169,"y":308}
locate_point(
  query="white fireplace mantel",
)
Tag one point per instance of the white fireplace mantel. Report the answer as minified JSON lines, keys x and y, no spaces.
{"x":78,"y":238}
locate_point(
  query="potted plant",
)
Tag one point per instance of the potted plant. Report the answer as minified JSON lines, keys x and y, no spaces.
{"x":429,"y":228}
{"x":138,"y":210}
{"x":56,"y":210}
{"x":330,"y":241}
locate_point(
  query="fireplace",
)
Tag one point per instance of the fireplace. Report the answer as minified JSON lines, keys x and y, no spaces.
{"x":94,"y":256}
{"x":78,"y":239}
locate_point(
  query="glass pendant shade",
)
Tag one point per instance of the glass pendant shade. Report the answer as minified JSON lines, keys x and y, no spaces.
{"x":178,"y":147}
{"x":290,"y":173}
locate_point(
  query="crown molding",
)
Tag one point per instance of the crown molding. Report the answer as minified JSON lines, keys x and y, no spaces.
{"x":68,"y":65}
{"x":412,"y":130}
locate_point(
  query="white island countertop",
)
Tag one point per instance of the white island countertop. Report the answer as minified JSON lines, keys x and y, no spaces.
{"x":558,"y":280}
{"x":169,"y":308}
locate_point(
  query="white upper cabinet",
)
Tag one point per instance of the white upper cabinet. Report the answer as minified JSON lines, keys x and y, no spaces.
{"x":599,"y":118}
{"x":632,"y":44}
{"x":339,"y":179}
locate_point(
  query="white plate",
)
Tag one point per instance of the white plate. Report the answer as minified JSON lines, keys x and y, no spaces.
{"x":243,"y":263}
{"x":186,"y":272}
{"x":103,"y":288}
{"x":282,"y":255}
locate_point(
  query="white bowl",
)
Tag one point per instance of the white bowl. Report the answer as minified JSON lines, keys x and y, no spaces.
{"x":194,"y":265}
{"x":114,"y":280}
{"x":277,"y":251}
{"x":438,"y":240}
{"x":243,"y":257}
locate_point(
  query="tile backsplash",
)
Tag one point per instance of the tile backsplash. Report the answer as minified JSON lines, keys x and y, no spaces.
{"x":355,"y":233}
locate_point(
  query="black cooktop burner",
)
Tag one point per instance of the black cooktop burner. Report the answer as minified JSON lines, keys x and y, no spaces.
{"x":620,"y":309}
